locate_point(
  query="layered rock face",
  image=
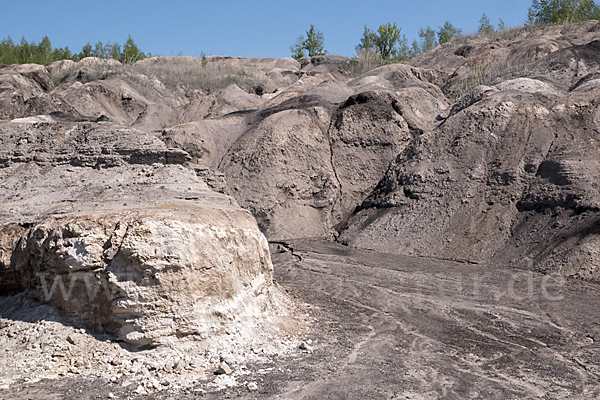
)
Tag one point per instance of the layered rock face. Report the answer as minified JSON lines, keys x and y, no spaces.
{"x":124,"y":235}
{"x":484,"y":149}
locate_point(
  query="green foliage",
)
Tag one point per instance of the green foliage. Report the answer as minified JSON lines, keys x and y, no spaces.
{"x":501,"y":25}
{"x":386,"y":42}
{"x":562,"y":11}
{"x":314,"y":42}
{"x":297,"y":49}
{"x":485,"y":26}
{"x":7,"y":53}
{"x":367,"y":41}
{"x":43,"y":53}
{"x":447,"y":32}
{"x":131,"y":53}
{"x":100,"y":50}
{"x":415,"y":49}
{"x":312,"y":46}
{"x":86,"y":51}
{"x":204,"y":59}
{"x":428,"y":40}
{"x":404,"y":53}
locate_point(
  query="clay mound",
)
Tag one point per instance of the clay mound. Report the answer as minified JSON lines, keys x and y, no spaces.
{"x":304,"y":164}
{"x":507,"y":180}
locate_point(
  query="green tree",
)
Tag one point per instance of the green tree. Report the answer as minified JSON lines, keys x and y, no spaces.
{"x":86,"y":51}
{"x":131,"y":53}
{"x":99,"y":50}
{"x":404,"y":53}
{"x":312,"y":46}
{"x":447,"y":32}
{"x":114,"y":51}
{"x":485,"y":26}
{"x":59,"y":53}
{"x":415,"y":49}
{"x":428,"y":40}
{"x":297,"y":49}
{"x":367,"y":41}
{"x":501,"y":25}
{"x":386,"y":43}
{"x":386,"y":40}
{"x":7,"y":51}
{"x":43,"y":51}
{"x":315,"y":41}
{"x":562,"y":11}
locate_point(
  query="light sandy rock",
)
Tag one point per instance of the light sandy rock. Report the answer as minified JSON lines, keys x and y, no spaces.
{"x":528,"y":85}
{"x":241,"y":100}
{"x":223,"y":369}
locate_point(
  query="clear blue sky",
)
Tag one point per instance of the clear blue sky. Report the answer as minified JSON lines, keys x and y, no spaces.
{"x":238,"y":28}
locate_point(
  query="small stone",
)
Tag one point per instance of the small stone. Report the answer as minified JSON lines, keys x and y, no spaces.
{"x":223,"y":369}
{"x":154,"y":383}
{"x":165,"y":381}
{"x":111,"y":396}
{"x":179,"y":365}
{"x":304,"y":346}
{"x":57,"y":354}
{"x":140,"y":389}
{"x":252,"y":386}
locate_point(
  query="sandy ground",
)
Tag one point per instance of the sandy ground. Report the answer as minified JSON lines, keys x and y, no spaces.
{"x":396,"y":327}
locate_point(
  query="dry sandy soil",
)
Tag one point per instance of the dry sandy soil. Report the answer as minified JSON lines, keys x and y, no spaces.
{"x":400,"y":327}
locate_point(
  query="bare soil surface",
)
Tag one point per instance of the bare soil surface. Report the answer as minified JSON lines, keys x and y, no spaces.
{"x":398,"y":327}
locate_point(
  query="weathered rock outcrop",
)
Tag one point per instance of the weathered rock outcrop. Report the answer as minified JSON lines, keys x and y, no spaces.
{"x":152,"y":274}
{"x":509,"y":177}
{"x":124,"y":235}
{"x":303,"y":165}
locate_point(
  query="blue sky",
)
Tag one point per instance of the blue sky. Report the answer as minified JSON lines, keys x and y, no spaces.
{"x":238,"y":28}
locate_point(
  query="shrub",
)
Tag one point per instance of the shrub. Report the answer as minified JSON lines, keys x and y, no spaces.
{"x":313,"y":44}
{"x":386,"y":42}
{"x":365,"y":61}
{"x":562,"y":11}
{"x":186,"y":73}
{"x":485,"y":26}
{"x":447,"y":32}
